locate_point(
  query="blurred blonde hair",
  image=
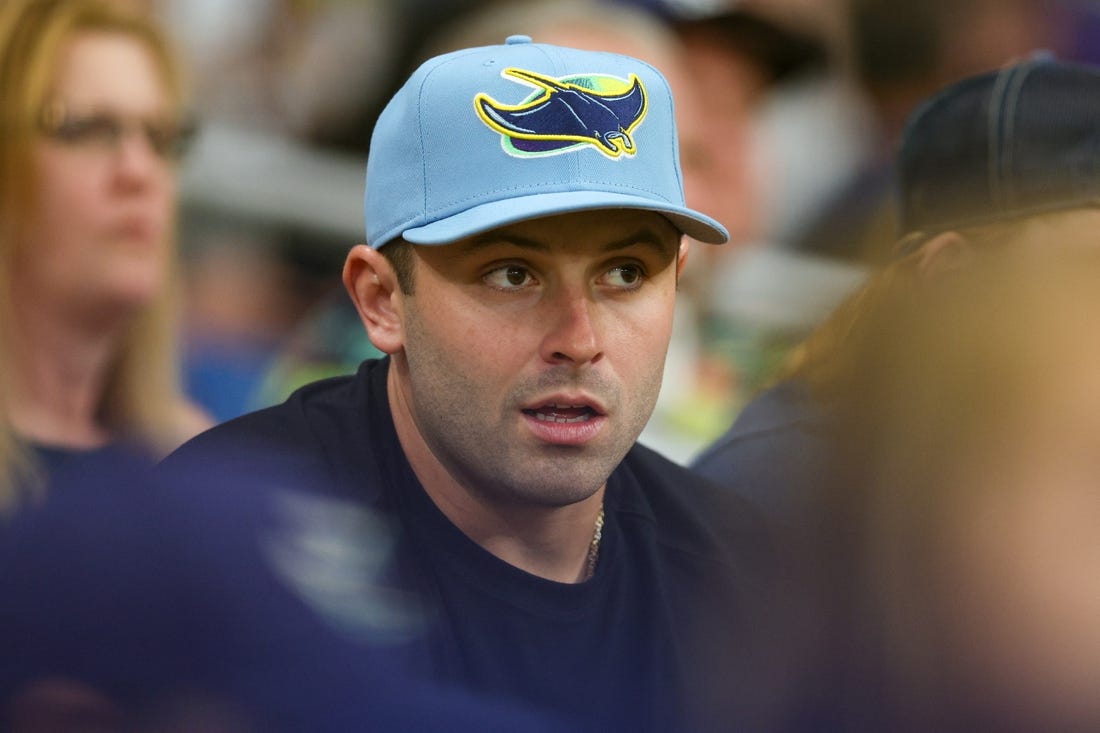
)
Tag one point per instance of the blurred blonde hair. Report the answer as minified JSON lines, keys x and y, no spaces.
{"x":950,"y":373}
{"x":831,"y":352}
{"x":142,"y":400}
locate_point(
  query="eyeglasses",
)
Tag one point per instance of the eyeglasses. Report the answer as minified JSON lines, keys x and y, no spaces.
{"x":105,"y":131}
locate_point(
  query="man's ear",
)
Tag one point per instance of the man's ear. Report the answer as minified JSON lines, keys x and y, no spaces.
{"x":372,"y":284}
{"x":943,"y":252}
{"x":682,"y":256}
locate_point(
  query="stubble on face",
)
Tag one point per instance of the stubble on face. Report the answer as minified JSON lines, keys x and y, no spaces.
{"x":467,"y":390}
{"x":475,"y":434}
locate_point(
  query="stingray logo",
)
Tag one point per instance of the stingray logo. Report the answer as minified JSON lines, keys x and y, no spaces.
{"x":567,"y":114}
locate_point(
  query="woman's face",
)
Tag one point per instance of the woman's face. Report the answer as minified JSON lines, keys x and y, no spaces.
{"x":98,"y":235}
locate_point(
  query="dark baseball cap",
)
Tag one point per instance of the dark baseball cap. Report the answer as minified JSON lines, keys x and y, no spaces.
{"x":1016,"y":142}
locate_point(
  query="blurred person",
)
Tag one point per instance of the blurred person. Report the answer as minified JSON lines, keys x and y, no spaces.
{"x":734,"y":58}
{"x":307,"y":70}
{"x":990,"y":164}
{"x":520,"y":274}
{"x":899,"y":55}
{"x":135,"y":605}
{"x":971,"y":519}
{"x":745,"y":61}
{"x":93,"y":126}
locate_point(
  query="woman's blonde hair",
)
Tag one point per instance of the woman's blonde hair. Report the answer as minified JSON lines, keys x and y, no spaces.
{"x":950,"y":374}
{"x":830,"y":354}
{"x":142,"y":401}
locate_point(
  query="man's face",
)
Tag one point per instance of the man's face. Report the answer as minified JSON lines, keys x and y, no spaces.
{"x":533,"y":354}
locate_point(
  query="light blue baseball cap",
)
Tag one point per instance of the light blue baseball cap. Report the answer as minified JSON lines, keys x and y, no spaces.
{"x":486,"y":137}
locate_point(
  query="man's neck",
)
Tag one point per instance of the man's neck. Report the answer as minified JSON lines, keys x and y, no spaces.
{"x":552,"y":542}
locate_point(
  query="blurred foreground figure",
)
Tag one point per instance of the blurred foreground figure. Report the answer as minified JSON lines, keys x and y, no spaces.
{"x":996,"y":163}
{"x":129,"y":606}
{"x":91,"y":132}
{"x":972,"y":515}
{"x":525,"y":223}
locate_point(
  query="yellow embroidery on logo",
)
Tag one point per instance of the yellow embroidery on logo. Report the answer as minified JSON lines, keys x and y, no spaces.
{"x":571,"y":112}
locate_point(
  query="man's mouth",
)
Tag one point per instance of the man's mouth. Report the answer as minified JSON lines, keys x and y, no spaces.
{"x":565,"y":420}
{"x":562,"y":413}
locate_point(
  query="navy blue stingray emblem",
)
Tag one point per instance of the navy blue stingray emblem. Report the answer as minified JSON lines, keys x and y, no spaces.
{"x":567,"y":113}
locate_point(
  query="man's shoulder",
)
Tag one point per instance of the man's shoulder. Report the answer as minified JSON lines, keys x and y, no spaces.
{"x":694,"y":516}
{"x":722,"y":572}
{"x":277,"y":424}
{"x":654,"y":469}
{"x":311,"y":426}
{"x":666,"y":481}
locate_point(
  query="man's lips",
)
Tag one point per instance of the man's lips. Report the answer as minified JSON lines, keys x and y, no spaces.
{"x":565,"y":407}
{"x":562,"y":413}
{"x":565,"y":420}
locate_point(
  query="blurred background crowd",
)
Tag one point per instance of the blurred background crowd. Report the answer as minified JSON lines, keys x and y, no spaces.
{"x":790,"y":112}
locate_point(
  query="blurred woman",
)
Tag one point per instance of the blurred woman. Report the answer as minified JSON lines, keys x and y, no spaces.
{"x":91,"y":121}
{"x":976,"y":592}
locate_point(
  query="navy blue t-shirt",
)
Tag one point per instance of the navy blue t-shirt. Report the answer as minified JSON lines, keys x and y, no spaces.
{"x":669,"y":634}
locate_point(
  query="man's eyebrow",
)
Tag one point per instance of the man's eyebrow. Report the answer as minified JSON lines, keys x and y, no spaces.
{"x":491,"y":240}
{"x":664,"y":246}
{"x":647,"y":237}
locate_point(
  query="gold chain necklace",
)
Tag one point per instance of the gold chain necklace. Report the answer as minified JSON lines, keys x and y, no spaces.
{"x":594,"y":547}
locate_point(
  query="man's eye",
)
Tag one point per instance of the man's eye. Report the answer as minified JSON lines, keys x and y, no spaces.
{"x":625,"y":276}
{"x":509,"y":277}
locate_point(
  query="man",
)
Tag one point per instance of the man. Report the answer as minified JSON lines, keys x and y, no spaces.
{"x":524,"y":215}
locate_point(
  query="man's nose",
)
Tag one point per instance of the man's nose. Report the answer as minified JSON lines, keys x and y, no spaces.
{"x":573,"y":335}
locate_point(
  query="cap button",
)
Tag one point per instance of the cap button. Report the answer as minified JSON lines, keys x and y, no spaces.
{"x":516,"y":40}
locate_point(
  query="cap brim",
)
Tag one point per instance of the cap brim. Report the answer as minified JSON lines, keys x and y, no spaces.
{"x":510,"y":211}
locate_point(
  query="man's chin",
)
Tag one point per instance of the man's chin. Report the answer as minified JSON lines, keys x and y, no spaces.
{"x":563,"y":490}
